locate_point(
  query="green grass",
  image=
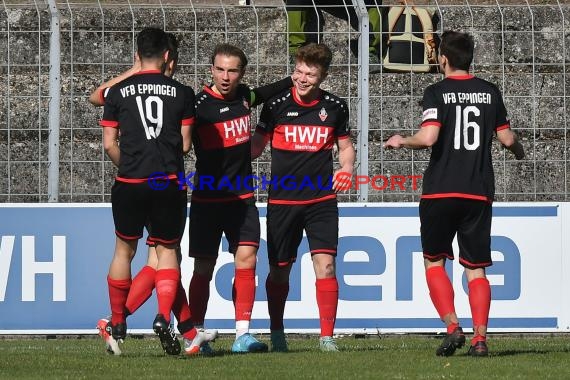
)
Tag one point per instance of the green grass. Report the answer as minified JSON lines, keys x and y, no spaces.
{"x":392,"y":357}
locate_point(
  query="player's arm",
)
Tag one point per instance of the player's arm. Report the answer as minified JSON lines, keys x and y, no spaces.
{"x":111,"y":144}
{"x":424,"y":138}
{"x":430,"y":126}
{"x":186,"y":131}
{"x":261,"y":94}
{"x":509,"y":140}
{"x":263,"y":131}
{"x":97,"y":97}
{"x":188,"y":119}
{"x":346,"y":158}
{"x":258,"y":142}
{"x":110,"y":125}
{"x":505,"y":135}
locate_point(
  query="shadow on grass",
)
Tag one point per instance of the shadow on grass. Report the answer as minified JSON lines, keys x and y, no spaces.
{"x":294,"y":350}
{"x":525,"y":352}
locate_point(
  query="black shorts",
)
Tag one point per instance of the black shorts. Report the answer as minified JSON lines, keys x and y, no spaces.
{"x":470,"y":219}
{"x":285,"y":225}
{"x":136,"y":204}
{"x":184,"y":204}
{"x":238,"y":220}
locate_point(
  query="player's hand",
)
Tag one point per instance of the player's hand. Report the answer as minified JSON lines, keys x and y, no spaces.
{"x":518,"y":150}
{"x":394,"y":142}
{"x":342,"y":180}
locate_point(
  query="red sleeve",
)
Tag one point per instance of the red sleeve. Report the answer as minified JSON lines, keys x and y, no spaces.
{"x":109,"y":123}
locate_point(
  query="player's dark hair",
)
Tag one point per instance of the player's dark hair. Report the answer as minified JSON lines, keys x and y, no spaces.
{"x":151,"y":43}
{"x":172,"y":50}
{"x":458,"y":48}
{"x":315,"y":55}
{"x":230,"y":51}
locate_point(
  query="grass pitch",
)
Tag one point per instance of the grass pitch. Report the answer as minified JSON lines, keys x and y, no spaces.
{"x":372,"y":357}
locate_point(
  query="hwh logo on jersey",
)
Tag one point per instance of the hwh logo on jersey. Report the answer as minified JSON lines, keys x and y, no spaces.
{"x":225,"y":134}
{"x":303,"y":138}
{"x":306,"y":134}
{"x":237,"y":127}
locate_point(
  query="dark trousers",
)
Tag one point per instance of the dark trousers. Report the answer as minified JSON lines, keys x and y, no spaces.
{"x":305,"y":22}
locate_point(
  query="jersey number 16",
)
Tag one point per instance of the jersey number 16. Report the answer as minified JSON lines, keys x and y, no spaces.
{"x":462,"y":127}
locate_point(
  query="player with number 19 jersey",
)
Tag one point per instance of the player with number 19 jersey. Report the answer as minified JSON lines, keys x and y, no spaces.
{"x":149,"y":108}
{"x":460,"y":164}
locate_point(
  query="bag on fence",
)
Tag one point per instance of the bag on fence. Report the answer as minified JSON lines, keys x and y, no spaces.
{"x":410,"y":43}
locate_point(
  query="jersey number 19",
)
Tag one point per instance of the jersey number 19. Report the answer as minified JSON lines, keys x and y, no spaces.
{"x":147,"y":113}
{"x":462,"y":127}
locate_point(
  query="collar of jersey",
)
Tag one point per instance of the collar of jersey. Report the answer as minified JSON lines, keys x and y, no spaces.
{"x":209,"y":90}
{"x":148,"y":72}
{"x":300,"y":102}
{"x":461,"y":77}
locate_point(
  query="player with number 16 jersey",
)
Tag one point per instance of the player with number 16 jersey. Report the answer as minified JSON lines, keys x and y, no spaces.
{"x":461,"y":115}
{"x":474,"y":109}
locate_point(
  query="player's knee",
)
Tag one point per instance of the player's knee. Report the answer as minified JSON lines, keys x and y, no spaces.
{"x":205,"y":267}
{"x":324,"y":269}
{"x":279,"y":274}
{"x":125,"y":250}
{"x":328,"y":270}
{"x":246,"y":258}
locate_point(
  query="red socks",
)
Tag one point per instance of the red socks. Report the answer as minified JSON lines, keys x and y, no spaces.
{"x":327,"y":300}
{"x":480,"y":302}
{"x":167,"y":281}
{"x":243,"y":293}
{"x":276,"y":297}
{"x":198,"y":296}
{"x":440,"y":290}
{"x":441,"y":293}
{"x":118,"y":293}
{"x":141,"y":289}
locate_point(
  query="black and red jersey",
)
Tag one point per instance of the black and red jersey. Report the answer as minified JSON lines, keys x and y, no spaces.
{"x":469,"y":111}
{"x":149,"y":109}
{"x":221,"y":138}
{"x":222,"y":142}
{"x":302,"y":137}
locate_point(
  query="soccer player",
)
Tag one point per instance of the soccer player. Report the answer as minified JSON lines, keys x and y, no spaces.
{"x":303,"y":123}
{"x":461,"y":115}
{"x":221,"y":201}
{"x":143,"y":283}
{"x":154,"y":138}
